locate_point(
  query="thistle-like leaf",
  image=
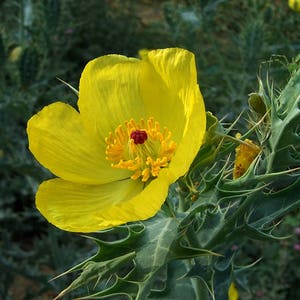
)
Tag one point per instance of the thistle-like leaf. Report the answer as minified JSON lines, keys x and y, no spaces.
{"x":136,"y":265}
{"x":284,"y":138}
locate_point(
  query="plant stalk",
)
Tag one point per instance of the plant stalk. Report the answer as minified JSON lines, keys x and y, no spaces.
{"x":199,"y":287}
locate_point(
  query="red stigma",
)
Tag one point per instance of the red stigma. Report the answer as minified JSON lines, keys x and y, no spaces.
{"x":139,"y":136}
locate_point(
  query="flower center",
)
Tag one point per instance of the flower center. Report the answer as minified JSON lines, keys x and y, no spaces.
{"x":141,"y":147}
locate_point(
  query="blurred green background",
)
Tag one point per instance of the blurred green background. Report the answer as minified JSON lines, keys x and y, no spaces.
{"x":42,"y":40}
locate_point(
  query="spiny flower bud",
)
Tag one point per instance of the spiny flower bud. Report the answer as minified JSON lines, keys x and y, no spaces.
{"x":257,"y":104}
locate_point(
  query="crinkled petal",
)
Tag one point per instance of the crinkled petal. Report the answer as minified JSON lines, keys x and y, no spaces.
{"x":192,"y":137}
{"x":175,"y":66}
{"x":173,"y":72}
{"x":161,"y":102}
{"x":109,"y":93}
{"x":85,"y":208}
{"x":59,"y":141}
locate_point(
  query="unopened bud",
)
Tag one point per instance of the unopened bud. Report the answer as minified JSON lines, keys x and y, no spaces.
{"x":256,"y":103}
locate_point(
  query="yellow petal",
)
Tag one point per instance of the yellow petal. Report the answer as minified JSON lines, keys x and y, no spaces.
{"x":192,"y":137}
{"x":109,"y":93}
{"x":85,"y":208}
{"x":294,"y":5}
{"x":161,"y":102}
{"x":167,"y":81}
{"x":175,"y":66}
{"x":172,"y":96}
{"x":59,"y":142}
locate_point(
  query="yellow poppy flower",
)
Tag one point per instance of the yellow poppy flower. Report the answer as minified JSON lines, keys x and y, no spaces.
{"x":140,"y":124}
{"x":244,"y":155}
{"x":233,"y":292}
{"x":294,"y":5}
{"x":15,"y":54}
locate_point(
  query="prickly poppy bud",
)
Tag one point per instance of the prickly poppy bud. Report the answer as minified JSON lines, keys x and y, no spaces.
{"x":256,"y":103}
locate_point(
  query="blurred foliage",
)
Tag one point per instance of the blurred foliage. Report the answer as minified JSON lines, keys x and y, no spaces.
{"x":276,"y":276}
{"x":42,"y":40}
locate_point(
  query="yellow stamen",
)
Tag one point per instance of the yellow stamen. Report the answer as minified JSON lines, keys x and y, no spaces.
{"x":140,"y":147}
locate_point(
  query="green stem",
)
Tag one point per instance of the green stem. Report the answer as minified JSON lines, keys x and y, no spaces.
{"x":199,"y":287}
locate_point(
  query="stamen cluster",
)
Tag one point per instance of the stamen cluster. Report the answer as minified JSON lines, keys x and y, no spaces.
{"x":141,"y":148}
